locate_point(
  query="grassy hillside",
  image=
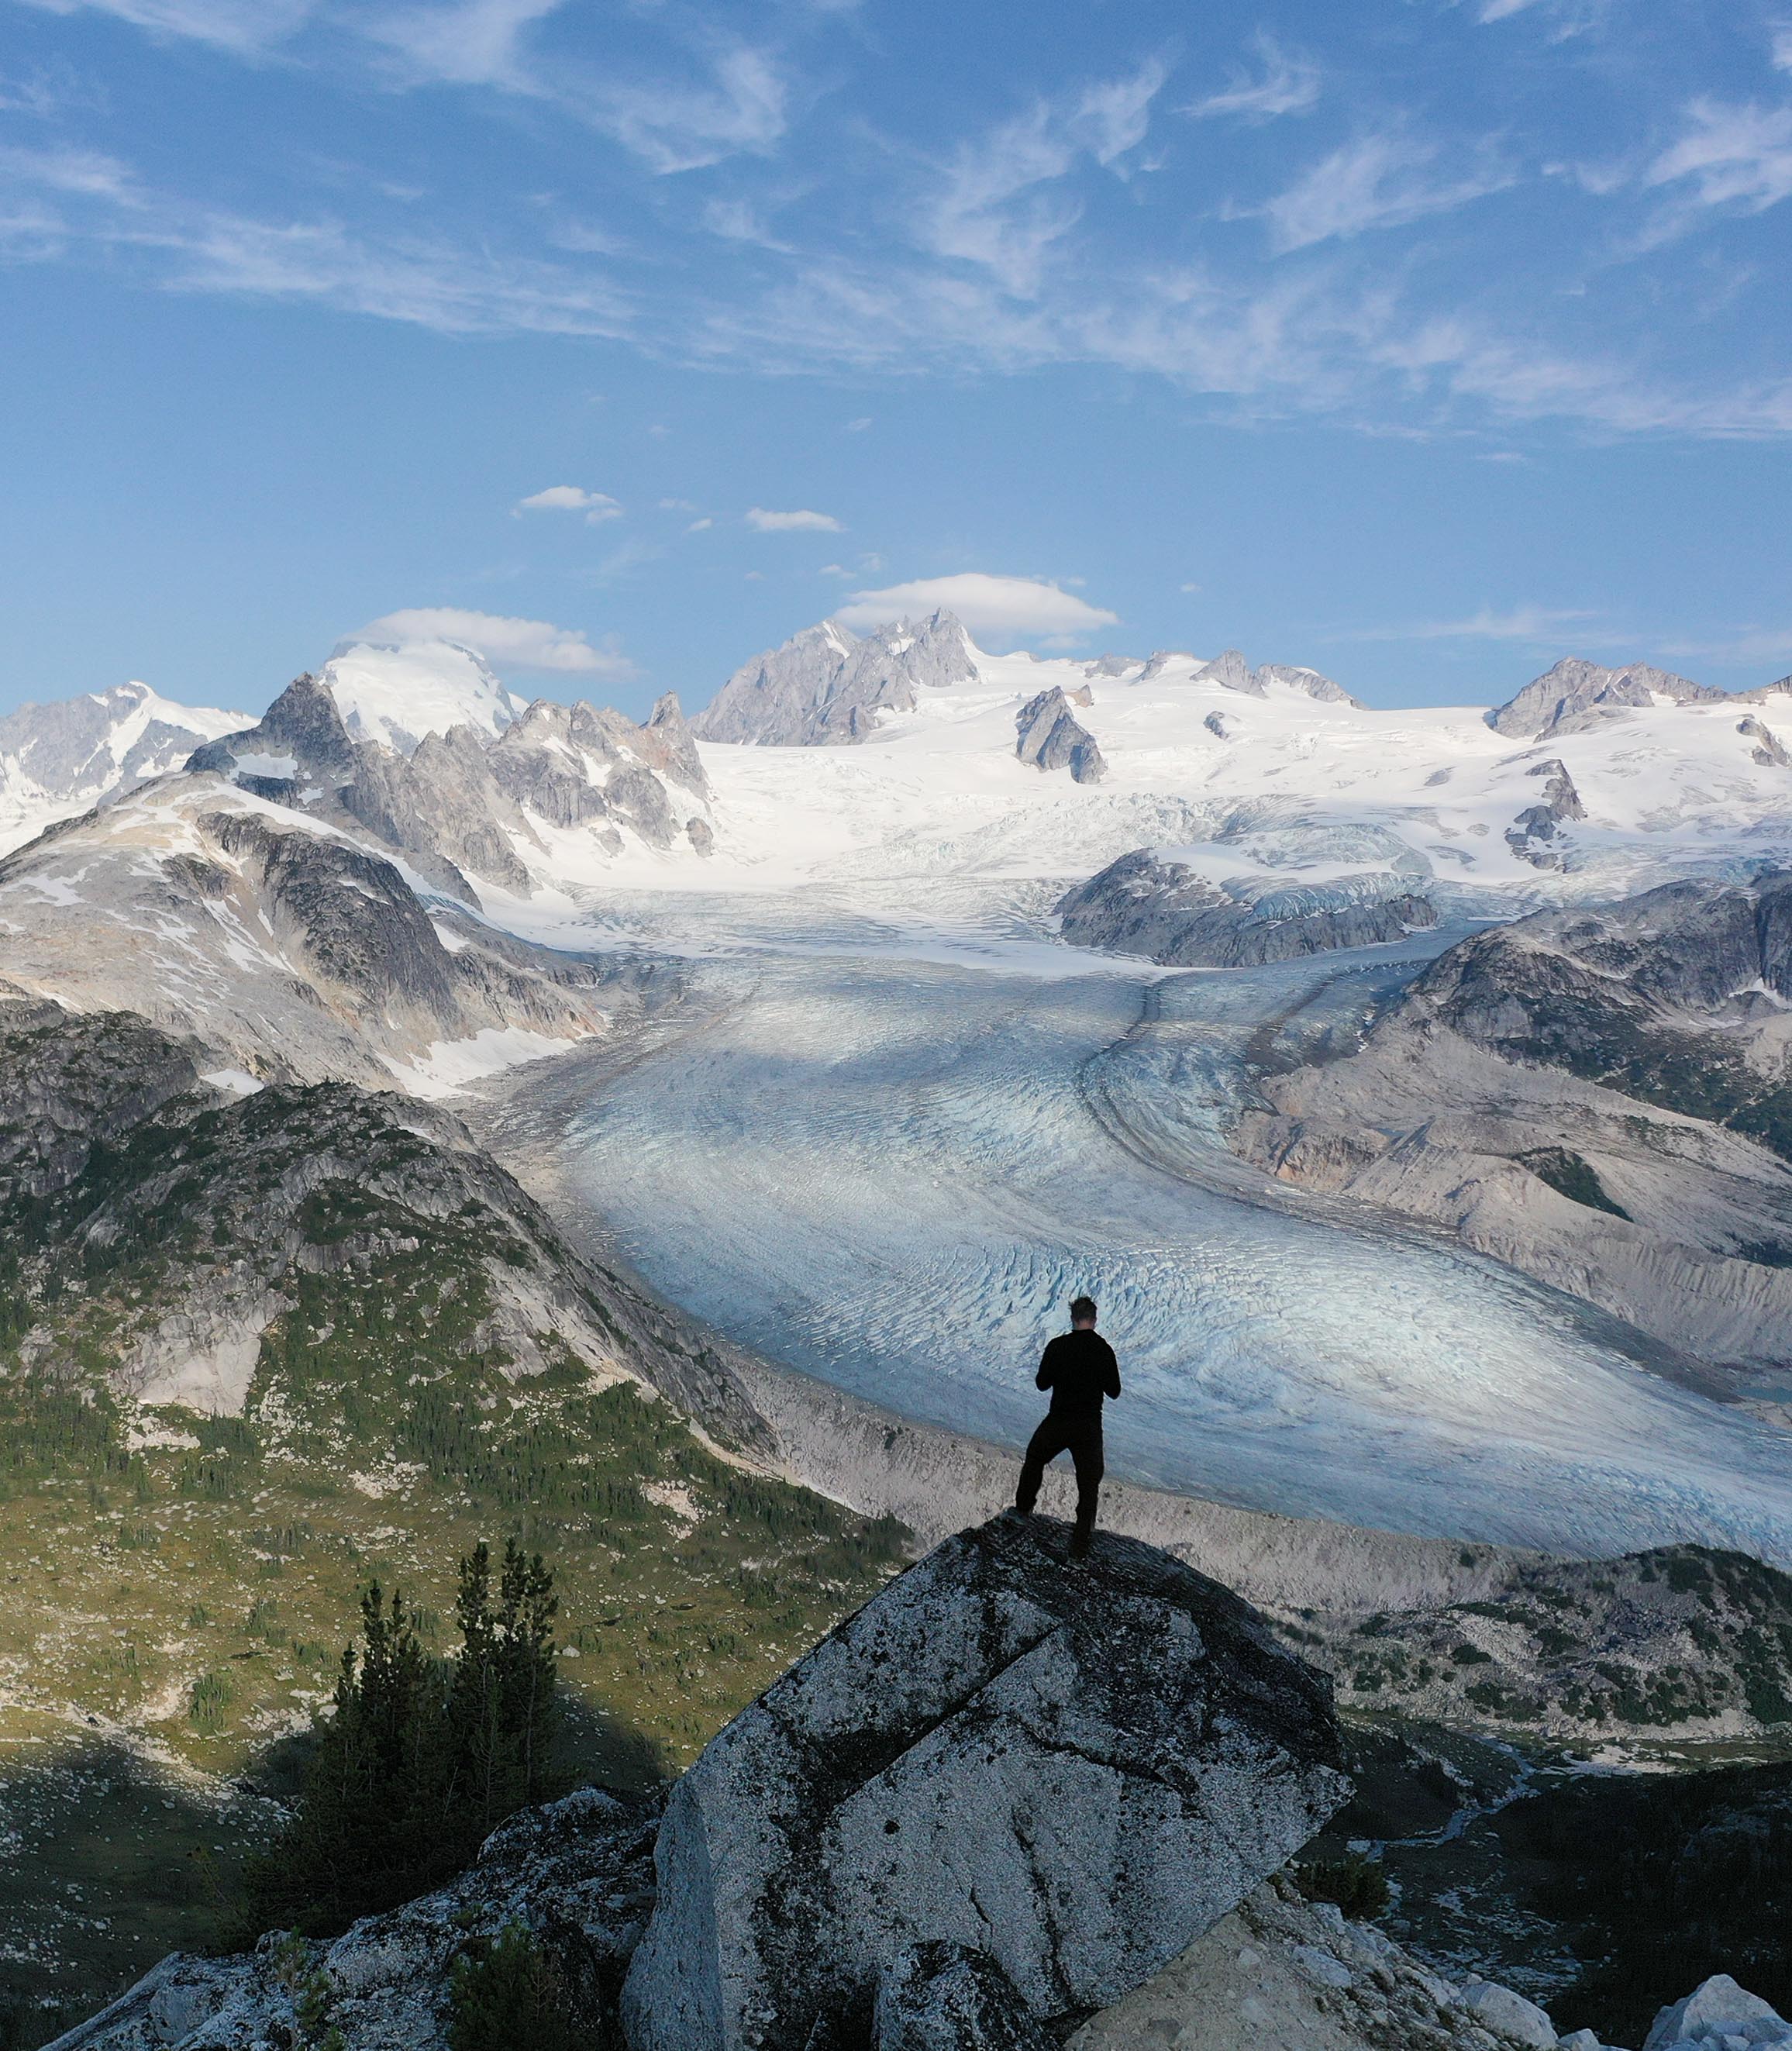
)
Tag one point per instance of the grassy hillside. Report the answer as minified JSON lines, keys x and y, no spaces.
{"x":424,"y":1363}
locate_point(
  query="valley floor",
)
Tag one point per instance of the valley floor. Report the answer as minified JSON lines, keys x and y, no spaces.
{"x":892,"y":1144}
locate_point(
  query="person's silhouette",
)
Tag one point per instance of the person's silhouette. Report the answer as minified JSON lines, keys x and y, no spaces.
{"x":1080,"y":1369}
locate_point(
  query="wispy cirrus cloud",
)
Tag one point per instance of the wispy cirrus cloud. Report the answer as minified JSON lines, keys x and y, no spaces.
{"x":1286,"y":84}
{"x":1542,"y":624}
{"x":467,"y":42}
{"x":995,"y":207}
{"x":1377,"y":182}
{"x":246,"y":26}
{"x":1729,"y":156}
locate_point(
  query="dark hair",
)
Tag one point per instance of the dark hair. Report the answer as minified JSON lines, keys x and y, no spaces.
{"x":1083,"y":1310}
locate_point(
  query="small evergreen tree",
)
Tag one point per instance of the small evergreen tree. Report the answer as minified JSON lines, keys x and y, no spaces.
{"x":418,"y":1759}
{"x":509,"y":1996}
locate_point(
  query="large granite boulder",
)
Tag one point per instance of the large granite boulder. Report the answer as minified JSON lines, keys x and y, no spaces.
{"x":1072,"y":1768}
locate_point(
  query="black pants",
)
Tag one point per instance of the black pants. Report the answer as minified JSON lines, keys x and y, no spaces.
{"x":1080,"y":1437}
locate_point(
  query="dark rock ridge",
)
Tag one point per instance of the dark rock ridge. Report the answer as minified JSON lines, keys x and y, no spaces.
{"x":1145,"y":904}
{"x":1074,"y":1771}
{"x":1048,"y":735}
{"x":467,"y":802}
{"x":1577,"y":695}
{"x":826,"y":686}
{"x":1532,"y":835}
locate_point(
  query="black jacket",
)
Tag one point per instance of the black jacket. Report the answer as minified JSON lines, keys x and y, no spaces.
{"x":1079,"y":1369}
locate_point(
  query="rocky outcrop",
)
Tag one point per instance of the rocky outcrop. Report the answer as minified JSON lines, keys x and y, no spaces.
{"x":1233,"y":672}
{"x":1145,"y":904}
{"x":1075,"y":1770}
{"x":577,"y":1875}
{"x":951,"y":1998}
{"x":1768,"y":751}
{"x":828,"y":688}
{"x":1281,"y":1972}
{"x":1048,"y":735}
{"x":1714,"y":2017}
{"x":194,"y":1216}
{"x":1577,"y":694}
{"x":1533,"y":835}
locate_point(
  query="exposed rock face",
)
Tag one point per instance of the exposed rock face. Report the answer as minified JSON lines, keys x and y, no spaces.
{"x":1576,"y":694}
{"x":289,"y":950}
{"x":59,"y":759}
{"x":826,"y":687}
{"x":1048,"y":735}
{"x":473,"y":799}
{"x":1597,"y":1096}
{"x":949,"y":1998}
{"x":1144,"y":905}
{"x":1532,"y":833}
{"x":1076,"y":1770}
{"x":1767,"y":750}
{"x":1235,"y":674}
{"x":1718,"y":2013}
{"x":578,"y":1874}
{"x":1281,"y":1972}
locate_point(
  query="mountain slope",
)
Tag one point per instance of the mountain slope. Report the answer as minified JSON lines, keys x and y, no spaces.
{"x":55,"y":759}
{"x":1600,"y":1097}
{"x":826,"y":686}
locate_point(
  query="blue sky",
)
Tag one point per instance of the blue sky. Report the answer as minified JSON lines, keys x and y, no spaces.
{"x":1419,"y":340}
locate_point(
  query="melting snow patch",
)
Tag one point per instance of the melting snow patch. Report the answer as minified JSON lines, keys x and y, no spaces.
{"x":238,"y":1081}
{"x":450,"y":1065}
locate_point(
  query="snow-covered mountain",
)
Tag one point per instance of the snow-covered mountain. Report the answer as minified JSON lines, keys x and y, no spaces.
{"x":826,"y":686}
{"x":397,"y":692}
{"x":55,"y":759}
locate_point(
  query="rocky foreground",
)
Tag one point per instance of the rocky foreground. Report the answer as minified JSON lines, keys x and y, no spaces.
{"x":1013,"y":1802}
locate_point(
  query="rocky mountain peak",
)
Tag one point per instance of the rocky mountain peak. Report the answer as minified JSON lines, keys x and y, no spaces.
{"x":59,"y":759}
{"x":826,"y":687}
{"x":1049,"y":736}
{"x":1575,"y":694}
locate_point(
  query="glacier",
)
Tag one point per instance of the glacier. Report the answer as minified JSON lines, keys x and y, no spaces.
{"x":891,"y":1172}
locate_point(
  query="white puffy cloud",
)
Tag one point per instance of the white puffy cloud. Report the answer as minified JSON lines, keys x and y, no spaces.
{"x":596,"y":505}
{"x":764,"y":521}
{"x":998,"y":605}
{"x":505,"y":643}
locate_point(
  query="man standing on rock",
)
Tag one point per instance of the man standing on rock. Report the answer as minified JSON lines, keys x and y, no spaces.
{"x":1080,"y":1369}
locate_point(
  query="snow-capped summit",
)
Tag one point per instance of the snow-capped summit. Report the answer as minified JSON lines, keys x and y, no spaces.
{"x":55,"y":759}
{"x":826,"y":685}
{"x":397,"y":692}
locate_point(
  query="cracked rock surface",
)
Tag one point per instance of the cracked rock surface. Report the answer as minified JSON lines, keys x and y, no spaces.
{"x":1074,"y":1769}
